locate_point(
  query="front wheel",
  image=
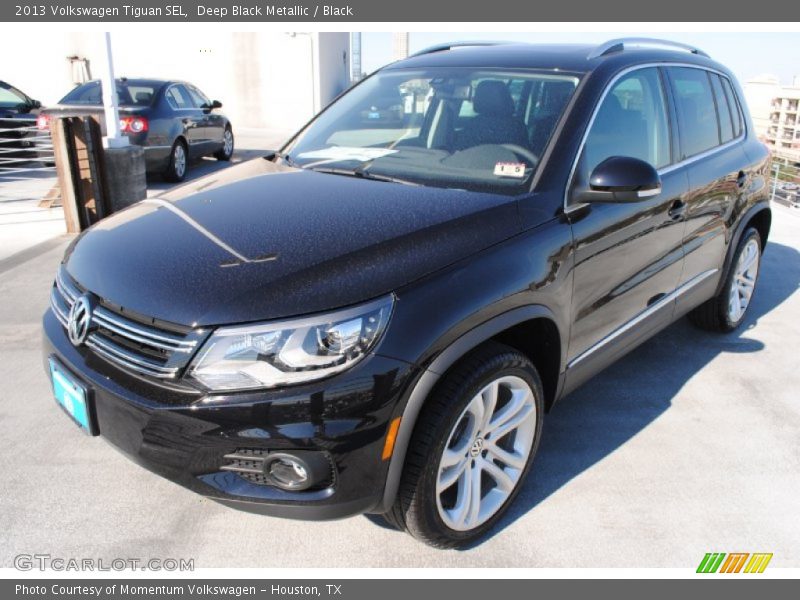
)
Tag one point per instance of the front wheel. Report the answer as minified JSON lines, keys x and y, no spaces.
{"x":471,"y":449}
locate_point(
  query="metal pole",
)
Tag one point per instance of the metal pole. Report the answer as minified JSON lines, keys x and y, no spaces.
{"x":114,"y":137}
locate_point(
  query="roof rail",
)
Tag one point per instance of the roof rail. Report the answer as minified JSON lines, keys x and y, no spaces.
{"x":621,"y":44}
{"x":451,"y":45}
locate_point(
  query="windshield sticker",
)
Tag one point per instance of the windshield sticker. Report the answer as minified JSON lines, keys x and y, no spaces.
{"x":509,"y":169}
{"x":347,"y":153}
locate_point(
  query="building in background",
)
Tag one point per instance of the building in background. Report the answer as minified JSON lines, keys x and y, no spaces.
{"x":273,"y":81}
{"x":356,"y":70}
{"x":400,"y":42}
{"x":774,"y":108}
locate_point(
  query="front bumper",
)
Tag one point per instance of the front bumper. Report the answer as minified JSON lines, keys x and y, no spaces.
{"x":184,"y":438}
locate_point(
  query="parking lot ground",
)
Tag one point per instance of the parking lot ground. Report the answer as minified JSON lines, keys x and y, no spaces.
{"x":686,"y":446}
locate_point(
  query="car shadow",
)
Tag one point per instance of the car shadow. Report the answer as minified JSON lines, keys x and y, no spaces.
{"x":598,"y":418}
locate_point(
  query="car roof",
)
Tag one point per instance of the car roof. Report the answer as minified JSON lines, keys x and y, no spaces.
{"x":576,"y":58}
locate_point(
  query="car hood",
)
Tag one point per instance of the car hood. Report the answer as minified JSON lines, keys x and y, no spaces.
{"x":258,"y":241}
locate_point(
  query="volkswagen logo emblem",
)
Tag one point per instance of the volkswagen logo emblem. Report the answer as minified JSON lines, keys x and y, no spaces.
{"x":477,"y":448}
{"x":80,"y":320}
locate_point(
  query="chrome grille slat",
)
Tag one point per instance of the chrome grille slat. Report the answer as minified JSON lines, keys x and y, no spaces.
{"x":141,"y":333}
{"x":114,"y":332}
{"x":131,"y":360}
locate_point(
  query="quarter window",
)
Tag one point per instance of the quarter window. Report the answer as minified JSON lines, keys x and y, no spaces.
{"x":736,"y":111}
{"x":697,"y":114}
{"x":631,"y":121}
{"x":723,"y":110}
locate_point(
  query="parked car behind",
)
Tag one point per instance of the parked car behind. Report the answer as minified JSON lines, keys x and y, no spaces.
{"x":173,"y":120}
{"x":376,"y":318}
{"x":18,"y":114}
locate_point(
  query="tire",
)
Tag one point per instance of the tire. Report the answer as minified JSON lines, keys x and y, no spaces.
{"x":448,"y":423}
{"x":226,"y":152}
{"x":720,"y":313}
{"x":178,"y":162}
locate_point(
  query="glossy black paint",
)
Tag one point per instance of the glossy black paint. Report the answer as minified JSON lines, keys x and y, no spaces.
{"x":200,"y":127}
{"x":547,"y":273}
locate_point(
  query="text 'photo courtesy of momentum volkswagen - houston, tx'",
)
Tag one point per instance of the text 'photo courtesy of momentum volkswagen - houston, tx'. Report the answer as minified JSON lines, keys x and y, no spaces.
{"x":446,"y":250}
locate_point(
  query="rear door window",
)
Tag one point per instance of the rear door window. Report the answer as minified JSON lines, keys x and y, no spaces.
{"x":697,"y":114}
{"x":178,"y":97}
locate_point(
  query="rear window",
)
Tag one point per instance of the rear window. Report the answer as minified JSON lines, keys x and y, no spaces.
{"x":129,"y":93}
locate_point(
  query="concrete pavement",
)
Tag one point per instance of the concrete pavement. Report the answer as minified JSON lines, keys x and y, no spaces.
{"x":687,"y":446}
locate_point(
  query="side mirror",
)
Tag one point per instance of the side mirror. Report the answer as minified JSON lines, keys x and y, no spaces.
{"x":622,"y":179}
{"x":216,"y":104}
{"x":36,"y":104}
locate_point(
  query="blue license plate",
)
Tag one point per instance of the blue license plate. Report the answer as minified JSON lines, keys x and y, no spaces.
{"x":72,"y":397}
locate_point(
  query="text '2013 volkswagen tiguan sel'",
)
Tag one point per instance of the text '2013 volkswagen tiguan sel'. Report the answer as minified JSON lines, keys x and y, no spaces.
{"x":376,"y":318}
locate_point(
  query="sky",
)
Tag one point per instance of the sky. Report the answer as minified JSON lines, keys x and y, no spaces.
{"x":746,"y":54}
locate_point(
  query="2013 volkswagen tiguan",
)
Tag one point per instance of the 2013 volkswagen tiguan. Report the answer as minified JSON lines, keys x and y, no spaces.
{"x":377,"y":317}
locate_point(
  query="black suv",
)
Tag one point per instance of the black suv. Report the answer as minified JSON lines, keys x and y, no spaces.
{"x":376,"y":318}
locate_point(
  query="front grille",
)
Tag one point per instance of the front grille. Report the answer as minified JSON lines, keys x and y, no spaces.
{"x":126,"y":342}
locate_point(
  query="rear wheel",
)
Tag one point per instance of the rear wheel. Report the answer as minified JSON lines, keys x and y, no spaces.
{"x":178,"y":161}
{"x":226,"y":152}
{"x":726,"y":311}
{"x":471,"y":449}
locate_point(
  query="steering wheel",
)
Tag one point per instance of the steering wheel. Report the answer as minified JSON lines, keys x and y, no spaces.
{"x":523,"y":152}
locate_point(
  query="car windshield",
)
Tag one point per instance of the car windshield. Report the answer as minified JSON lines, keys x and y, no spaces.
{"x":11,"y":98}
{"x":129,"y":93}
{"x":471,"y":129}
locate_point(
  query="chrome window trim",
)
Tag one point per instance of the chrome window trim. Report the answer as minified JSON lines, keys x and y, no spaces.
{"x":648,"y":312}
{"x":663,"y":170}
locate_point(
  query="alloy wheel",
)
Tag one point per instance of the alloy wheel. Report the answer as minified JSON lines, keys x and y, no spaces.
{"x":179,"y":161}
{"x":486,"y":453}
{"x":744,"y":281}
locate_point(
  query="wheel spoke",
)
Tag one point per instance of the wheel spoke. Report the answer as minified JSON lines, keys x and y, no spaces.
{"x":475,"y":495}
{"x":450,"y":475}
{"x":509,"y":411}
{"x":489,"y":395}
{"x":500,"y":477}
{"x":460,"y":511}
{"x":507,"y":425}
{"x":510,"y":459}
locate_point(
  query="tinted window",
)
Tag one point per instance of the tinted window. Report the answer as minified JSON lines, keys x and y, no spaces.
{"x":199,"y":98}
{"x":10,"y":98}
{"x":464,"y":128}
{"x":736,"y":112}
{"x":631,"y":121}
{"x":178,"y":97}
{"x":723,"y":110}
{"x":697,"y":114}
{"x":129,"y":93}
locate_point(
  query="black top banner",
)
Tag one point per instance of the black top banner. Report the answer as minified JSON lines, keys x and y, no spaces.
{"x":451,"y":11}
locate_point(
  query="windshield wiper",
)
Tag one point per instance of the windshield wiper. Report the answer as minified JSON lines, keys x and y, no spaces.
{"x":362,"y":174}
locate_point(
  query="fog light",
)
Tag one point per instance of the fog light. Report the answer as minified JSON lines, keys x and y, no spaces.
{"x":295,"y":473}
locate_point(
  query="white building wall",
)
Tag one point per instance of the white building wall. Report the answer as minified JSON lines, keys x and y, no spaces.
{"x":264,"y":80}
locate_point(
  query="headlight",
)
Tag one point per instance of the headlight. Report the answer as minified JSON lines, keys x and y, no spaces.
{"x":266,"y":355}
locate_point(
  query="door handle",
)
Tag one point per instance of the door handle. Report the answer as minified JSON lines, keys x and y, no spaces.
{"x":741,"y":179}
{"x":677,"y":210}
